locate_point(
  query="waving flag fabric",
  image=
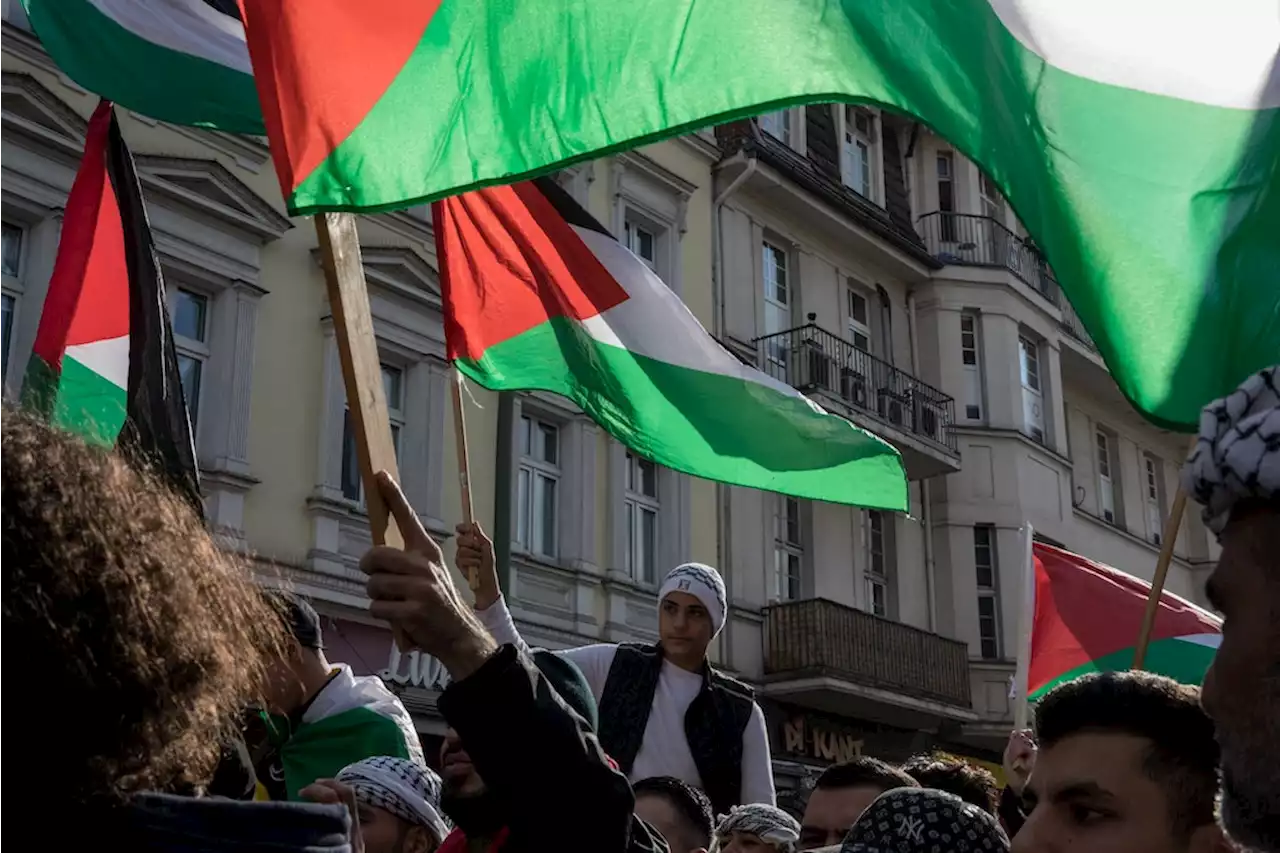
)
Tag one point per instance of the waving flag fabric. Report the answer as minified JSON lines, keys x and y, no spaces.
{"x":182,"y":61}
{"x":104,"y":364}
{"x":539,"y":296}
{"x":1087,"y":618}
{"x":1150,"y":181}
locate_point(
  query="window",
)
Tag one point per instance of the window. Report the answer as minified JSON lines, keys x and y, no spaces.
{"x":1032,"y":389}
{"x":777,"y":125}
{"x":788,"y":549}
{"x":12,"y":250}
{"x":877,"y":565}
{"x":393,"y":390}
{"x":946,"y":196}
{"x":992,"y":199}
{"x":859,"y":320}
{"x":537,"y":486}
{"x":984,"y":562}
{"x":190,"y":319}
{"x":1106,"y":480}
{"x":641,"y":504}
{"x":857,"y":148}
{"x":777,"y":310}
{"x":971,"y":363}
{"x":643,"y":243}
{"x":1153,"y":492}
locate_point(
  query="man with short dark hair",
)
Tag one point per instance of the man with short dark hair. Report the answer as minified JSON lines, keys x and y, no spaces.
{"x":1127,"y":764}
{"x":944,"y":772}
{"x":679,"y":811}
{"x":1234,"y":472}
{"x":843,"y":792}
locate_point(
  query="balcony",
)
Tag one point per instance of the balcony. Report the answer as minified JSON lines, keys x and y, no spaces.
{"x":912,"y":415}
{"x":980,"y":241}
{"x":1072,"y":326}
{"x":839,"y":659}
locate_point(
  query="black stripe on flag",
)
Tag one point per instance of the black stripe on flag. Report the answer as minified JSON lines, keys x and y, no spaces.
{"x":568,"y":208}
{"x":157,"y":431}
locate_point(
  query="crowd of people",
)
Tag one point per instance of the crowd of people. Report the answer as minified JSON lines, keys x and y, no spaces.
{"x":183,"y":707}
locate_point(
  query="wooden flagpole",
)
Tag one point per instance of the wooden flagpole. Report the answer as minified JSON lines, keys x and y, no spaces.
{"x":1168,"y":537}
{"x":361,"y":367}
{"x":464,"y":462}
{"x":1026,"y":618}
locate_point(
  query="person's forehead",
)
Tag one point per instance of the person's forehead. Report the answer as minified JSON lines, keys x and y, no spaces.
{"x":683,"y":599}
{"x":1112,"y":761}
{"x":839,"y":803}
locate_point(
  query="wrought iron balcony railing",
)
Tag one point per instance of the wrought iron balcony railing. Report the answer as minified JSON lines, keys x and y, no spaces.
{"x":817,"y":635}
{"x":810,"y":359}
{"x":962,"y":238}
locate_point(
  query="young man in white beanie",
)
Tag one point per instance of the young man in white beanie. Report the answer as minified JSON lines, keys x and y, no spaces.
{"x":664,"y":710}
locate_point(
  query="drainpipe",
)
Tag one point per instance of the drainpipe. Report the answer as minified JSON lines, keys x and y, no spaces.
{"x":717,"y":328}
{"x":926,"y":510}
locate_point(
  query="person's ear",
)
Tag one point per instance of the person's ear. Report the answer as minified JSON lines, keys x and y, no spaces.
{"x":419,"y":840}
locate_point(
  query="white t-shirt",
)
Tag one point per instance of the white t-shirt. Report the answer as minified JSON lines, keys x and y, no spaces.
{"x":664,"y":751}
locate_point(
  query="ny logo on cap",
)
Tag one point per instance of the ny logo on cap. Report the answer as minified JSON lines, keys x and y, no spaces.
{"x":683,"y":585}
{"x":910,"y":827}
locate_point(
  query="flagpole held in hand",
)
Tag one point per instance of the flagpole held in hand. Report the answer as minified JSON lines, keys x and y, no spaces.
{"x":464,"y":463}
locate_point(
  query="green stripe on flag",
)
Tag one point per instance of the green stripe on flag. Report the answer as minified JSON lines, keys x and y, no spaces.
{"x":1153,"y":210}
{"x":691,"y":421}
{"x":1179,"y":660}
{"x":88,"y":404}
{"x":170,"y":85}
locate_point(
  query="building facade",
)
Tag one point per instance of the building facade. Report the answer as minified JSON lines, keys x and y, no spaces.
{"x":845,"y":251}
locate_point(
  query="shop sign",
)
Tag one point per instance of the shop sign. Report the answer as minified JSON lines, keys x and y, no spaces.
{"x":803,"y":737}
{"x":415,"y":669}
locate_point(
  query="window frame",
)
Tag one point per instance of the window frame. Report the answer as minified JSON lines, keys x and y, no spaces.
{"x":853,"y":326}
{"x":971,"y":365}
{"x":985,"y":540}
{"x":1153,"y":481}
{"x":1030,"y":368}
{"x":12,"y":290}
{"x":632,"y":227}
{"x":536,"y":471}
{"x":636,"y":503}
{"x":877,"y":578}
{"x":777,"y":350}
{"x":788,"y":552}
{"x":850,"y":139}
{"x":196,"y":349}
{"x":1104,"y":461}
{"x":396,"y":416}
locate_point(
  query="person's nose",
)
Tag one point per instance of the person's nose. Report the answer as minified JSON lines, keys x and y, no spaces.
{"x":1034,"y":836}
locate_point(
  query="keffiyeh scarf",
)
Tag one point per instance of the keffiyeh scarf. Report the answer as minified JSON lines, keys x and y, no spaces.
{"x":768,"y":823}
{"x":405,"y":789}
{"x":1237,"y":454}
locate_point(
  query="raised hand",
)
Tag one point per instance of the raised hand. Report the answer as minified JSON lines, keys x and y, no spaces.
{"x":475,"y":560}
{"x":332,"y":793}
{"x":412,"y":590}
{"x":1019,"y":759}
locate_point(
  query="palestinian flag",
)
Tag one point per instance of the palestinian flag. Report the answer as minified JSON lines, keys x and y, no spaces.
{"x":1087,"y":618}
{"x":1149,"y":181}
{"x":103,"y":364}
{"x":539,"y":296}
{"x":181,"y":61}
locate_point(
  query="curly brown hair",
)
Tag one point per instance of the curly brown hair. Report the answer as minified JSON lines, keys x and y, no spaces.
{"x":134,"y":636}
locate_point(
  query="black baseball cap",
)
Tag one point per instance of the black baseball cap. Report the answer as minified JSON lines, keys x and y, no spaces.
{"x":299,"y":617}
{"x":922,"y":820}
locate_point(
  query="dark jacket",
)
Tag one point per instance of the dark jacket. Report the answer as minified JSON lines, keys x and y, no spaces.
{"x":713,"y":724}
{"x":160,"y":823}
{"x":542,"y":763}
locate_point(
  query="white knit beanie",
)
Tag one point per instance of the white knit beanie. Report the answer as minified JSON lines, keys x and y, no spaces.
{"x":703,"y":583}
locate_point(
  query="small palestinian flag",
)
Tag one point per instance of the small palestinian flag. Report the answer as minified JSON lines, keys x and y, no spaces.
{"x":103,"y":364}
{"x":1087,"y":618}
{"x":182,"y":61}
{"x":539,"y":296}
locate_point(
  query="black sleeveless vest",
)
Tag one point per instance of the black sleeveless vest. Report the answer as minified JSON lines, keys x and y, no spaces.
{"x":713,"y":725}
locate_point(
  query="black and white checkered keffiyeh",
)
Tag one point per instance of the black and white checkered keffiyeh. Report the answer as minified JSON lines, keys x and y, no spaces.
{"x":922,"y":820}
{"x":768,"y":823}
{"x":409,"y":791}
{"x":1237,"y":454}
